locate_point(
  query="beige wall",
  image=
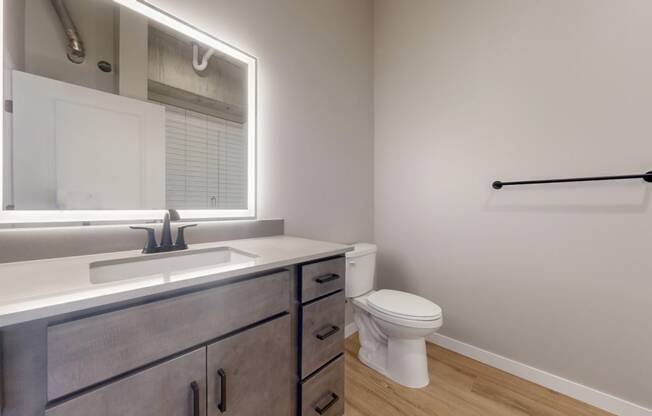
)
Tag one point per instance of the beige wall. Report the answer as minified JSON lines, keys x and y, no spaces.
{"x":467,"y":92}
{"x":315,"y":107}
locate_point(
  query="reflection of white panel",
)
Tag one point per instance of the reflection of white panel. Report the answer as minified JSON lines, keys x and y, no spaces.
{"x":114,"y":156}
{"x":78,"y":148}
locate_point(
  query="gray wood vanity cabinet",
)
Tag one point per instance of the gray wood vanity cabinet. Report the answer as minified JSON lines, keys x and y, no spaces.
{"x":244,"y":374}
{"x":86,"y":351}
{"x":263,"y":344}
{"x":321,"y":361}
{"x":249,"y":373}
{"x":174,"y":387}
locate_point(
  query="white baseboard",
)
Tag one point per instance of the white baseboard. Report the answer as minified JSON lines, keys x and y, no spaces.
{"x":561,"y":385}
{"x":350,"y":329}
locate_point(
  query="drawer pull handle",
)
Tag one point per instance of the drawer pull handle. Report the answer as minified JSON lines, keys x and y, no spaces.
{"x":333,"y":330}
{"x":194,"y":387}
{"x":331,"y":402}
{"x":327,"y":278}
{"x":222,"y":403}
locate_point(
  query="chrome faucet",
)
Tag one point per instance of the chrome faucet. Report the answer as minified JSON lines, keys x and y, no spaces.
{"x":166,"y":235}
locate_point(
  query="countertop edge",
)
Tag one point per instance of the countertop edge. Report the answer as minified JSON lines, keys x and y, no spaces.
{"x":26,"y":316}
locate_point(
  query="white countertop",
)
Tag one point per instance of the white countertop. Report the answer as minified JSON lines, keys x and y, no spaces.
{"x":38,"y":289}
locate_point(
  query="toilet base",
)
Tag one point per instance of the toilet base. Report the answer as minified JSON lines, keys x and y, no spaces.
{"x":403,"y":360}
{"x":373,"y":344}
{"x":407,"y":362}
{"x":374,"y":365}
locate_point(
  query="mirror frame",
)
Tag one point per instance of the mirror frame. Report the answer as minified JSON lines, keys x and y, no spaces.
{"x":74,"y":217}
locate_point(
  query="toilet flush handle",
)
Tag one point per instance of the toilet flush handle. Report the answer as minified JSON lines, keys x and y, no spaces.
{"x":352,"y":263}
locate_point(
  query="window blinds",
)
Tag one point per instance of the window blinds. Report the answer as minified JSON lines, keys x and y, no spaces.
{"x":206,"y":161}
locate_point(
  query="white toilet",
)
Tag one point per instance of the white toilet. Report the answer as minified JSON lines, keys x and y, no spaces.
{"x":392,"y":325}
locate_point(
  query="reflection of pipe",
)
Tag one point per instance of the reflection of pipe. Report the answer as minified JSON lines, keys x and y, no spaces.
{"x":204,"y":60}
{"x":76,"y":51}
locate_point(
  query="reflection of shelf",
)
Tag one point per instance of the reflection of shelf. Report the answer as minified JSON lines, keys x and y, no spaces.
{"x":220,"y":90}
{"x":184,"y":99}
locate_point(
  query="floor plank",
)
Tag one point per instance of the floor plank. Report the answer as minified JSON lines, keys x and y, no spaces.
{"x":459,"y":386}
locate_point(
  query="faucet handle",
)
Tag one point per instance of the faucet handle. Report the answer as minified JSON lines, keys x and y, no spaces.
{"x":151,"y":246}
{"x":180,"y":244}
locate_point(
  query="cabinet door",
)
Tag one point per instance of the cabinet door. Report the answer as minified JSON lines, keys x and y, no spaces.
{"x":249,"y":374}
{"x":174,"y":388}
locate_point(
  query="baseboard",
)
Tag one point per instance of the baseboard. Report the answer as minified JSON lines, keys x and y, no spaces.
{"x":350,"y":329}
{"x":561,"y":385}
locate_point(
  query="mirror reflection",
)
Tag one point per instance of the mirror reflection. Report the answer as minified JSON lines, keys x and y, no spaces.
{"x":111,"y":110}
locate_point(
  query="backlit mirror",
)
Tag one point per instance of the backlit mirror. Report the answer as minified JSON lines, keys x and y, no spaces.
{"x":113,"y":106}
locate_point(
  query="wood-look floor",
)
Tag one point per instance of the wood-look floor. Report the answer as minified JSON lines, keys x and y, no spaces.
{"x":459,"y":386}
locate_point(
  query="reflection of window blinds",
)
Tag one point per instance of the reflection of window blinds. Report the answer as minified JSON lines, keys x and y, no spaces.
{"x":206,"y":161}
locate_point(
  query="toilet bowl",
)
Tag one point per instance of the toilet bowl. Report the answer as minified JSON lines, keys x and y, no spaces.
{"x":392,"y":325}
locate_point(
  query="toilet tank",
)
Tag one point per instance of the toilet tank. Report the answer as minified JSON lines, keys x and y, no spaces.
{"x":360,"y":269}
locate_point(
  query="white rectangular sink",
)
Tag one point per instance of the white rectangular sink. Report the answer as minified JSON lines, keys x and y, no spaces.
{"x":171,"y":266}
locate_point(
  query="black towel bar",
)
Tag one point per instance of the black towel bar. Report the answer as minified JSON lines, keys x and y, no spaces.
{"x":647,"y":177}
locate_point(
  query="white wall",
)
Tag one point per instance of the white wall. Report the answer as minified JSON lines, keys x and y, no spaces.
{"x":467,"y":92}
{"x":315,"y":92}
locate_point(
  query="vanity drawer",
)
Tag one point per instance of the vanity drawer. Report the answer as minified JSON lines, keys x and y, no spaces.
{"x":323,"y":332}
{"x":322,"y":278}
{"x":163,"y":390}
{"x":87,"y":351}
{"x":323,"y":393}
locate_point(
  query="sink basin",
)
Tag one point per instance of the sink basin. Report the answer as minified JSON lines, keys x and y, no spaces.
{"x":171,"y":266}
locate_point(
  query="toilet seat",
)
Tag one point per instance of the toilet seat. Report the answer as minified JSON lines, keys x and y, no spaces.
{"x":403,"y":306}
{"x":407,"y":323}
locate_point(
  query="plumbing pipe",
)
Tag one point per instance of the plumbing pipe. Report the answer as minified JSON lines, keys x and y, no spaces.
{"x":200,"y":66}
{"x":76,"y":52}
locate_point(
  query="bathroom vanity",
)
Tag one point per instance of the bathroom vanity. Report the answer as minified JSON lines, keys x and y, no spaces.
{"x":262,"y":335}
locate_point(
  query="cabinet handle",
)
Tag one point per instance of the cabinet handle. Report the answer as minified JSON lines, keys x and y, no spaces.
{"x":327,"y":278}
{"x":194,"y":387}
{"x":222,"y":403}
{"x":333,"y":330}
{"x":331,"y":402}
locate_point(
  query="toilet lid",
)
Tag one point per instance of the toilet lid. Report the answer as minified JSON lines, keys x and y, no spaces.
{"x":404,"y":305}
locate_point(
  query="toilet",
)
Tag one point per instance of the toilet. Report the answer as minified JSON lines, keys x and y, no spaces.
{"x":392,"y":325}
